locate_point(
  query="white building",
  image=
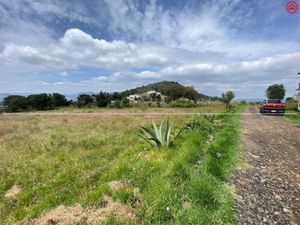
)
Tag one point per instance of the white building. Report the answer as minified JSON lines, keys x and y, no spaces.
{"x":153,"y":92}
{"x":134,"y":98}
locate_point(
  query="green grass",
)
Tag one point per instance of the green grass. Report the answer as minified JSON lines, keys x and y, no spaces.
{"x":291,"y":107}
{"x":293,"y":118}
{"x":67,"y":160}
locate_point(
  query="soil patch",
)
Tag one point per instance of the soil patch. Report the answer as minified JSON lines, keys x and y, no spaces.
{"x":13,"y":192}
{"x":70,"y":215}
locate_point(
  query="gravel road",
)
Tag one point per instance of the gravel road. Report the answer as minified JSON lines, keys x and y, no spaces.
{"x":267,"y":180}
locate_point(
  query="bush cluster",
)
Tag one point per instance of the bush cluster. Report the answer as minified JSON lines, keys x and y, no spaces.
{"x":201,"y":123}
{"x":291,"y":104}
{"x":103,"y":99}
{"x":17,"y":103}
{"x":183,"y":102}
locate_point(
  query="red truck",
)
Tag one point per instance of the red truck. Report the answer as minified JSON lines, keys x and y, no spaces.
{"x":272,"y":106}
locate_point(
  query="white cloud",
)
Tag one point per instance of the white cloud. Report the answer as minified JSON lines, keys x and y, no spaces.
{"x":77,"y":48}
{"x":64,"y":73}
{"x":208,"y":44}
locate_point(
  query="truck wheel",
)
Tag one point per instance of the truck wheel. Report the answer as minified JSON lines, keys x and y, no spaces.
{"x":261,"y":110}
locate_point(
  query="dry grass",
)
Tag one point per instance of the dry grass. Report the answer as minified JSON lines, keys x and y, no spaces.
{"x":74,"y":159}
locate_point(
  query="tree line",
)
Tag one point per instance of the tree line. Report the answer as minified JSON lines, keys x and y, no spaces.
{"x":43,"y":101}
{"x":103,"y":99}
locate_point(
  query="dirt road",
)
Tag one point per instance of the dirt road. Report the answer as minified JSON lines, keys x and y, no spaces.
{"x":268,"y":178}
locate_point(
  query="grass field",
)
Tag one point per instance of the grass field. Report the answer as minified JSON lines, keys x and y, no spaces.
{"x":63,"y":159}
{"x":291,"y":107}
{"x":295,"y":117}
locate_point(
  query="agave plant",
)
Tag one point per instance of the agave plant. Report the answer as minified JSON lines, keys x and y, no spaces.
{"x":159,"y":136}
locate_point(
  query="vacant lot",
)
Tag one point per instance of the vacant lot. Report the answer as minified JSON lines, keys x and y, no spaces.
{"x":96,"y":166}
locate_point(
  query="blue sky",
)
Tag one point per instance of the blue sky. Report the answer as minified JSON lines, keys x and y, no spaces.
{"x":73,"y":46}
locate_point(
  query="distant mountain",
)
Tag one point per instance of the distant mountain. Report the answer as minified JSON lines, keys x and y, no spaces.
{"x":167,"y":88}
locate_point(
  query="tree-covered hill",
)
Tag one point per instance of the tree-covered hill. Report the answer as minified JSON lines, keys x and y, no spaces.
{"x":171,"y":89}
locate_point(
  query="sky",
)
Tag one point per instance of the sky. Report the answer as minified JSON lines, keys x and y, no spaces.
{"x":112,"y":45}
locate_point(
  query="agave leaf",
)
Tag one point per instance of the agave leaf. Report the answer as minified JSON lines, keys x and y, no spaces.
{"x":168,"y":133}
{"x":147,"y":132}
{"x":160,"y":133}
{"x":158,"y":143}
{"x":156,"y":131}
{"x":158,"y":137}
{"x":151,"y":142}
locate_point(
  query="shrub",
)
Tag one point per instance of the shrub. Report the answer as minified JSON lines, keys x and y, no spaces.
{"x":183,"y":102}
{"x":291,"y":105}
{"x":158,"y":137}
{"x":203,"y":123}
{"x":227,"y":98}
{"x":125,"y":102}
{"x":103,"y":98}
{"x":59,"y":100}
{"x":40,"y":101}
{"x":84,"y":99}
{"x":15,"y":103}
{"x":116,"y":104}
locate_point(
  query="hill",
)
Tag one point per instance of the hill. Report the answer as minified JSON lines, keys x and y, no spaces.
{"x":171,"y":89}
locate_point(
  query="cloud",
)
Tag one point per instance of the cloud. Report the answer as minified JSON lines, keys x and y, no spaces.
{"x":77,"y":48}
{"x":213,"y":45}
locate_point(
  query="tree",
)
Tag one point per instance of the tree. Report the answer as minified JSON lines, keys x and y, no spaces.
{"x":15,"y":103}
{"x":227,"y":98}
{"x":59,"y":100}
{"x":158,"y":99}
{"x":116,"y":104}
{"x":103,"y":99}
{"x":275,"y":91}
{"x":153,"y":96}
{"x":84,"y":99}
{"x":116,"y":96}
{"x":125,"y":102}
{"x":191,"y":93}
{"x":39,"y":101}
{"x":146,"y":98}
